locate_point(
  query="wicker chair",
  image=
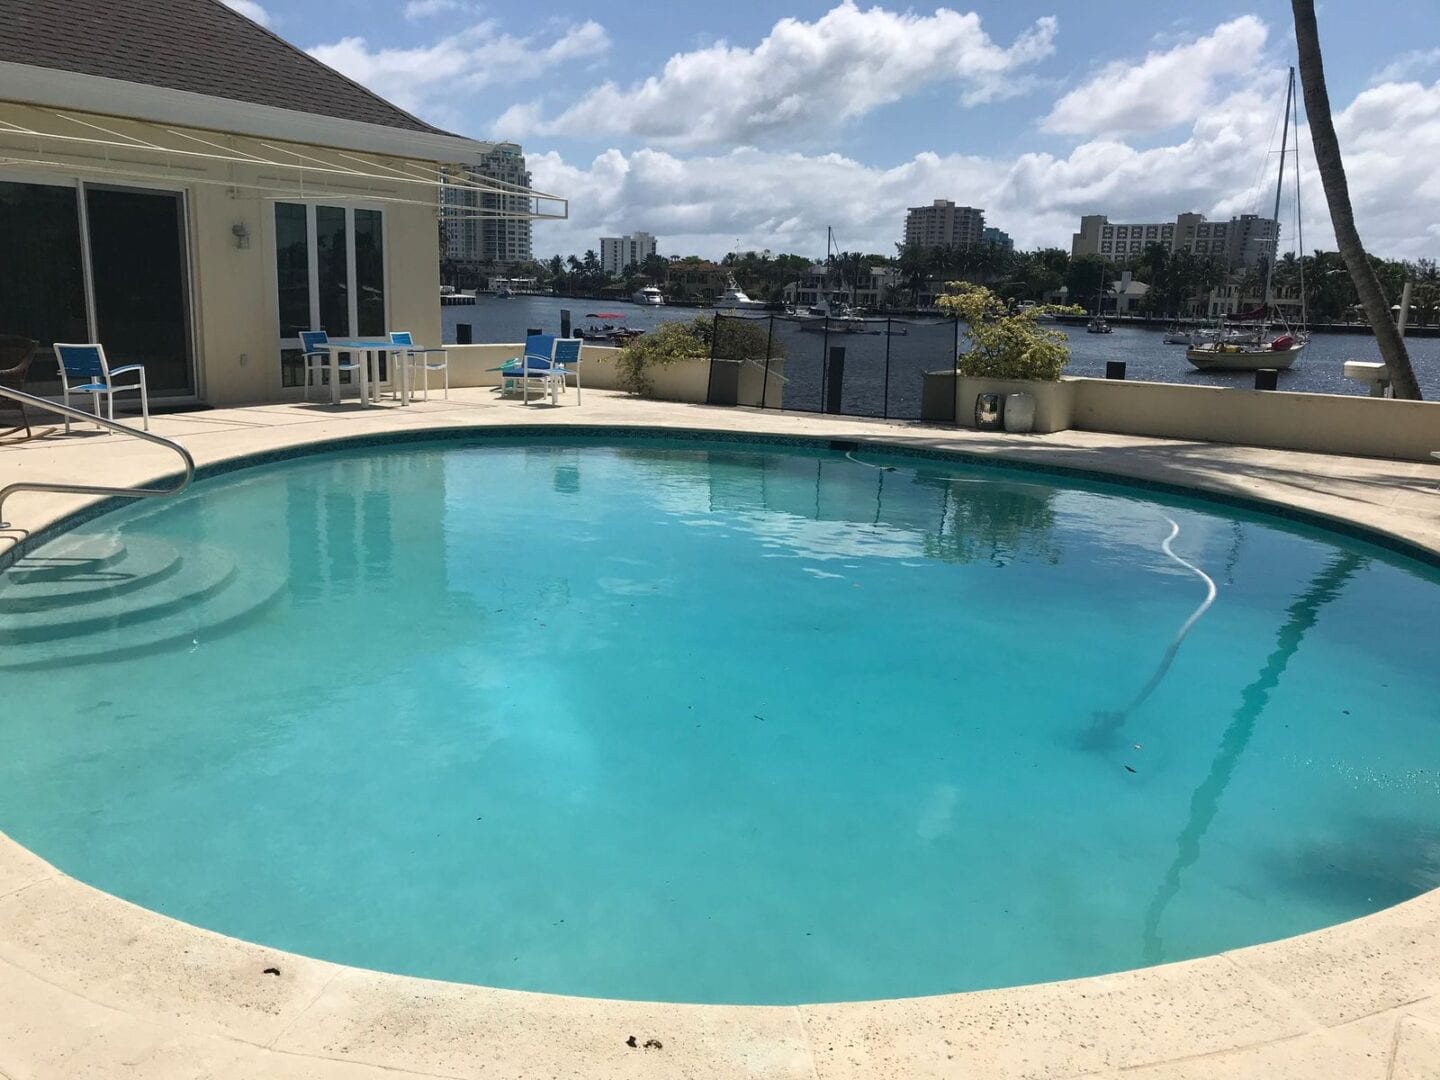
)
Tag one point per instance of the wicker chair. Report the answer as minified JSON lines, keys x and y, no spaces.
{"x":16,"y":353}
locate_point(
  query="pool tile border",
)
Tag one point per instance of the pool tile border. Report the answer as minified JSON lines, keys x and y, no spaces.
{"x":87,"y":985}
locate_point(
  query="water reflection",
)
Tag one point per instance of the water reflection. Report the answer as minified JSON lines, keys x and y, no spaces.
{"x":1301,"y":616}
{"x":835,"y":508}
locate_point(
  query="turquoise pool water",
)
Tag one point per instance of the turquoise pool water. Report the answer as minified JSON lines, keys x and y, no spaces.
{"x":702,"y":722}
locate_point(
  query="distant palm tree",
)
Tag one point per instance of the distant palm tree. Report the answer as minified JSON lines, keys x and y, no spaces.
{"x":1337,"y":194}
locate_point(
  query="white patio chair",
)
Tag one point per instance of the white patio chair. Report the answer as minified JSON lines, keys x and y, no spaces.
{"x":84,"y":369}
{"x":317,"y":360}
{"x":422,"y":360}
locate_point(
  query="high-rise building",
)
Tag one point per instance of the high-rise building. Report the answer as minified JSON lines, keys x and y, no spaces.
{"x":1242,"y":241}
{"x":997,"y":238}
{"x":480,"y":231}
{"x":943,"y":224}
{"x":618,"y":252}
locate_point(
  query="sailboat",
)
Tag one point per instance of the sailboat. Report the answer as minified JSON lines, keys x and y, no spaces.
{"x":1097,"y":323}
{"x":1257,"y":349}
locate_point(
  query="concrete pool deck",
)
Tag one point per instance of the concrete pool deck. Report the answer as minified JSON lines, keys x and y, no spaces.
{"x":92,"y":986}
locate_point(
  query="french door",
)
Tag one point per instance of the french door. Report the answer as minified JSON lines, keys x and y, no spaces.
{"x":98,"y":262}
{"x":329,"y":275}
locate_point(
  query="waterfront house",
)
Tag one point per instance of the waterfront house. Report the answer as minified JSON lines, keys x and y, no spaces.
{"x":184,"y":186}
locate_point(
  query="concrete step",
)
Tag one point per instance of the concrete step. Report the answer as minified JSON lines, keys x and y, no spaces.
{"x":138,"y":564}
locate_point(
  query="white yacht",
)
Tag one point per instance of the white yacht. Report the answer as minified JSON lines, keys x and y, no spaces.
{"x":649,"y":296}
{"x":734,"y":298}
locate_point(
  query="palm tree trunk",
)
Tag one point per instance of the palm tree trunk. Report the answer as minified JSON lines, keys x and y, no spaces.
{"x":1337,"y":194}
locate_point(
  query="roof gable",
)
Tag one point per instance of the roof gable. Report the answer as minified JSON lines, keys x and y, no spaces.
{"x":199,"y":46}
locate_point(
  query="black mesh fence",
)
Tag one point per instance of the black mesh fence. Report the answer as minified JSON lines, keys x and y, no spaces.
{"x":845,"y":366}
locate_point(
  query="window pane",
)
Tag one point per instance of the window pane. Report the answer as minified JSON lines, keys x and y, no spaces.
{"x":292,"y":270}
{"x":370,"y":273}
{"x":330,"y":254}
{"x":42,"y":288}
{"x":137,"y":263}
{"x":292,"y":367}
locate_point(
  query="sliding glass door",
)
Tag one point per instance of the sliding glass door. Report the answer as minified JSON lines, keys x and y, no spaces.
{"x":84,"y":262}
{"x":139,"y":278}
{"x":329,"y":275}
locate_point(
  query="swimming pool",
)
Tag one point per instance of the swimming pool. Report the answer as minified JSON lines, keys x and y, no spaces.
{"x":709,"y":722}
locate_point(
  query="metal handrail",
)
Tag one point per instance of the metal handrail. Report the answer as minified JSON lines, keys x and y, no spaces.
{"x":94,"y":489}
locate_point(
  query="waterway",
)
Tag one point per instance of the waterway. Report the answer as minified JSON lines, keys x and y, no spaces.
{"x":882,"y":371}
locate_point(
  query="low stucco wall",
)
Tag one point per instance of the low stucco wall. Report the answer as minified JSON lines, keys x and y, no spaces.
{"x":1319,"y":423}
{"x":687,"y":381}
{"x":1327,"y":423}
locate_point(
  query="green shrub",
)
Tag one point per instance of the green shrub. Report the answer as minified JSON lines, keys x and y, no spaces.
{"x":1005,"y":344}
{"x":671,"y":342}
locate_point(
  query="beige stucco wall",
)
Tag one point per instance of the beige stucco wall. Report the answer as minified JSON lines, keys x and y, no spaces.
{"x":688,"y":381}
{"x":1323,"y":423}
{"x":1328,"y":423}
{"x":234,"y":310}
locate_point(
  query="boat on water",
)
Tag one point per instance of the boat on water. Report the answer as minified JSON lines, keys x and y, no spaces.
{"x":1261,"y":346}
{"x":611,"y":332}
{"x":1098,"y":325}
{"x":1279,"y":352}
{"x":734,"y":298}
{"x":649,"y":296}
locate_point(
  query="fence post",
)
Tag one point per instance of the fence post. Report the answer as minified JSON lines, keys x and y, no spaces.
{"x":834,"y":388}
{"x":824,"y":360}
{"x":955,"y":374}
{"x":769,"y":343}
{"x":885,"y":408}
{"x":710,"y":373}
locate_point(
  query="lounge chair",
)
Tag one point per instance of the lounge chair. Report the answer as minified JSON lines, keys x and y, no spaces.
{"x":16,"y":354}
{"x":87,"y":364}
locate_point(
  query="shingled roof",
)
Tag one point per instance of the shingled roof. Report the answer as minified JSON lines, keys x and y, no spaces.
{"x":200,"y":46}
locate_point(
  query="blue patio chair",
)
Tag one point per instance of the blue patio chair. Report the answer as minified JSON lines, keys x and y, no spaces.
{"x":424,"y":361}
{"x":537,"y":365}
{"x":567,"y":361}
{"x":318,"y":359}
{"x":84,"y":369}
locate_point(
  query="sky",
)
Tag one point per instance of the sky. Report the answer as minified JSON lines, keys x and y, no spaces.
{"x":747,"y":125}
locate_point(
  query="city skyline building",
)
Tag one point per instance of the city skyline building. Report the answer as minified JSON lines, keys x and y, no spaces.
{"x":943,"y":224}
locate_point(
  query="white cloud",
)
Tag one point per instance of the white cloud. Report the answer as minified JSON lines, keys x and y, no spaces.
{"x":1165,"y":89}
{"x":784,"y":201}
{"x":424,"y":9}
{"x":251,"y":10}
{"x":804,"y":78}
{"x":475,"y":57}
{"x":1406,"y":65}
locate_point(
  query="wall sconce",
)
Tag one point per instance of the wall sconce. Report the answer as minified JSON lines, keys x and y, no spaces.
{"x":241,"y":233}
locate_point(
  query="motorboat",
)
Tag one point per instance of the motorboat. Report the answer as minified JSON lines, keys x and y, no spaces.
{"x":1098,"y":325}
{"x":648,"y":296}
{"x":734,"y":298}
{"x":611,"y":332}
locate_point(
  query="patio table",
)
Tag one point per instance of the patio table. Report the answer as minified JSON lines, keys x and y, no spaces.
{"x":369,"y":390}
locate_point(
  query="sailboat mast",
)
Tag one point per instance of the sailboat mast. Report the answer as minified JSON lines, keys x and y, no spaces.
{"x":1300,"y":218}
{"x":1279,"y":183}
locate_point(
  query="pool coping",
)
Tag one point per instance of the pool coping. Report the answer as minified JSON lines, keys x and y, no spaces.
{"x":88,"y":980}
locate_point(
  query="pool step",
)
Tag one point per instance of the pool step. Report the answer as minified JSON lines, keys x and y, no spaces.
{"x":67,"y":556}
{"x":58,"y":580}
{"x":198,"y":575}
{"x":203,"y":594}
